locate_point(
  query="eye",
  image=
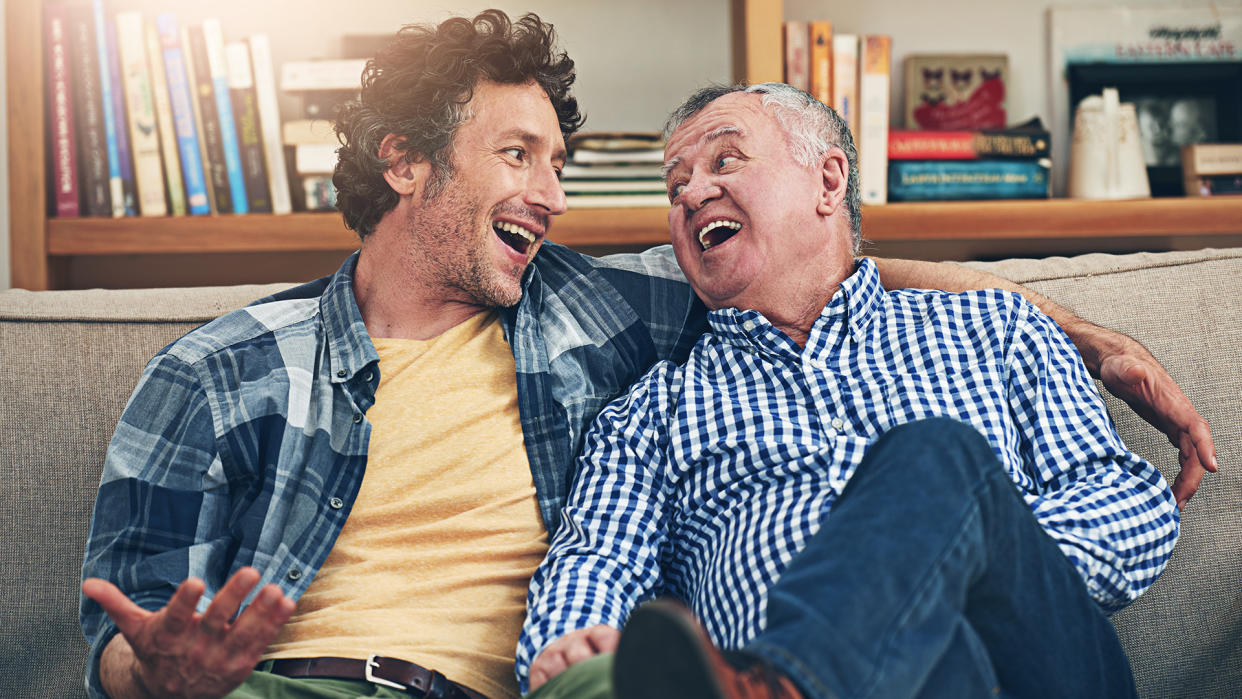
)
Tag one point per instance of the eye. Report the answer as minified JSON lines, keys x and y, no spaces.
{"x":517,"y":152}
{"x":675,"y":191}
{"x":724,"y":161}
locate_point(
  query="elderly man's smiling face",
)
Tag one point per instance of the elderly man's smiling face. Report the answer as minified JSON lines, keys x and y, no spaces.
{"x":746,"y":219}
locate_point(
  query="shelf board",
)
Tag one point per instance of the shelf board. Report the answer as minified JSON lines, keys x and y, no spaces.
{"x":924,"y":221}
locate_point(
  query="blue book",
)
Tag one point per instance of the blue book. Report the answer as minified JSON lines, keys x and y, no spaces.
{"x":192,"y":173}
{"x":949,"y":180}
{"x":110,"y":131}
{"x":128,"y":189}
{"x":218,"y":69}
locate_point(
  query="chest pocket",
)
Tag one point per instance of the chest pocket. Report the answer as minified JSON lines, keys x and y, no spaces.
{"x":974,"y":395}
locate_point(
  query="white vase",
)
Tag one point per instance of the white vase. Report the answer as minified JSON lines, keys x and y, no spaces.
{"x":1106,"y":156}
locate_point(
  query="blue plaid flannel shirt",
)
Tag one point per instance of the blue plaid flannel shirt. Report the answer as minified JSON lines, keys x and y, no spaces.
{"x":245,"y":441}
{"x":706,"y":479}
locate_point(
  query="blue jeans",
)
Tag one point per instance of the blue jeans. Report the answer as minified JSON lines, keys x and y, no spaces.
{"x":931,"y":577}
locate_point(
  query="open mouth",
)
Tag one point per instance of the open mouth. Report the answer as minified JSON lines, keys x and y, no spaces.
{"x":513,"y":235}
{"x":716,"y":232}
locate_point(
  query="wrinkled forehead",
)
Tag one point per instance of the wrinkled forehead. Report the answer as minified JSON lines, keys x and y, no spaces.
{"x":735,"y":115}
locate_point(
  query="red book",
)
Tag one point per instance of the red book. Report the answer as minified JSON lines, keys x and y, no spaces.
{"x":1025,"y":141}
{"x":60,"y":111}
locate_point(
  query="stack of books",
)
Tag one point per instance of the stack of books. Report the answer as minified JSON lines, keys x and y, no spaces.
{"x":1210,"y":169}
{"x":615,"y":169}
{"x":151,"y":118}
{"x":851,"y":73}
{"x":1010,"y":163}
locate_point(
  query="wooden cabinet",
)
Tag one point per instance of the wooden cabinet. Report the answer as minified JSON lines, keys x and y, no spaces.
{"x":44,"y":251}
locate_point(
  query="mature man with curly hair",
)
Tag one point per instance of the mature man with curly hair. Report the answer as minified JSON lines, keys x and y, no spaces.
{"x":455,"y":360}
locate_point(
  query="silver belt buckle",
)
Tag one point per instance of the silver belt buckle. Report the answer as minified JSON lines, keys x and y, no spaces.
{"x":368,"y":673}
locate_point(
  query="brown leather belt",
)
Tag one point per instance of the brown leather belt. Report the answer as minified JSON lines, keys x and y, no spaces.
{"x":389,"y":672}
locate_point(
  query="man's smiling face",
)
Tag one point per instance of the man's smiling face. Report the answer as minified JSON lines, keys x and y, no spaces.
{"x":743,"y":217}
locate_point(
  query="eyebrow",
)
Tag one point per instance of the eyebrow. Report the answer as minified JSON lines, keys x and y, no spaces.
{"x":714,"y":134}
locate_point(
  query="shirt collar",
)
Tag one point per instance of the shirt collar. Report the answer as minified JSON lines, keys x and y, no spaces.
{"x":349,"y":343}
{"x":856,"y":300}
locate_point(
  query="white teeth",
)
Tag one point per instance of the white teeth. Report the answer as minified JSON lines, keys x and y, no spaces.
{"x":516,"y":230}
{"x":714,"y":225}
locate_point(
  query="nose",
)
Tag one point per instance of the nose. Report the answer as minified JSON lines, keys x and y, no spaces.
{"x":544,"y":191}
{"x":699,"y":190}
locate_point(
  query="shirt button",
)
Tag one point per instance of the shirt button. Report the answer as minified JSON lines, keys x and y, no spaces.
{"x":336,"y":503}
{"x":357,"y":418}
{"x":838,"y":423}
{"x":748,"y":325}
{"x":340,"y":373}
{"x":294,"y":575}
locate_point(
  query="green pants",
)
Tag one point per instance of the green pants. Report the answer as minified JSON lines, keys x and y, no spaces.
{"x":591,"y":679}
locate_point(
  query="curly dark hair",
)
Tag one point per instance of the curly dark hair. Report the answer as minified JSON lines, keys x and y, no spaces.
{"x":418,"y":88}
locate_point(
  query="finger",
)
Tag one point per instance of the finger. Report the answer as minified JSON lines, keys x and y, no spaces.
{"x":178,"y":614}
{"x":127,"y":616}
{"x":260,"y":623}
{"x":226,"y":602}
{"x":1200,"y":435}
{"x":549,"y":664}
{"x":1185,"y":484}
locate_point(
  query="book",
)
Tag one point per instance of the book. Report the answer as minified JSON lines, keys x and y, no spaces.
{"x":1211,"y":168}
{"x":604,"y":201}
{"x":950,"y":91}
{"x":821,"y":61}
{"x":1213,"y":185}
{"x":323,"y":84}
{"x":246,"y":114}
{"x":620,"y":172}
{"x":116,"y":190}
{"x":182,"y":101}
{"x":92,"y":141}
{"x":945,"y":180}
{"x":1027,"y":140}
{"x":217,"y":67}
{"x":874,"y":78}
{"x":318,"y":192}
{"x":207,"y":116}
{"x":63,"y":200}
{"x":639,"y":157}
{"x":845,"y":79}
{"x":296,"y":132}
{"x":315,"y":158}
{"x":796,"y":37}
{"x":125,"y":154}
{"x":269,"y":123}
{"x":614,"y":186}
{"x":143,"y":130}
{"x":174,"y":186}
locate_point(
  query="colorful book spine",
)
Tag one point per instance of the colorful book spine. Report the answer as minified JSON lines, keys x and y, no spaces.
{"x":116,"y":190}
{"x":269,"y":123}
{"x":217,"y":67}
{"x":173,"y":185}
{"x":246,"y":112}
{"x":796,"y":35}
{"x":904,"y":144}
{"x":208,"y":117}
{"x":180,"y":97}
{"x":91,"y":137}
{"x":64,"y":199}
{"x":945,"y":180}
{"x":143,"y":130}
{"x":821,"y":61}
{"x":874,"y":77}
{"x":845,"y":79}
{"x":129,"y":188}
{"x":1213,"y":185}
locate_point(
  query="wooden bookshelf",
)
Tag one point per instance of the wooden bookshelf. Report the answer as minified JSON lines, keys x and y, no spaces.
{"x":43,"y":249}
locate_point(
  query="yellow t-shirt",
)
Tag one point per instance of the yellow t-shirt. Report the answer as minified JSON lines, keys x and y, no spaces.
{"x":433,"y":563}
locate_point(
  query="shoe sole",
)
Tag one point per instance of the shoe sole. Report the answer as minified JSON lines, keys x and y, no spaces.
{"x":662,"y":655}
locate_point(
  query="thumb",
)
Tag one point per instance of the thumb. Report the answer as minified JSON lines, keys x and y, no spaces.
{"x":127,"y":616}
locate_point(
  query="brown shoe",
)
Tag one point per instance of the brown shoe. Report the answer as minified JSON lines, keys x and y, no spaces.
{"x":665,"y":654}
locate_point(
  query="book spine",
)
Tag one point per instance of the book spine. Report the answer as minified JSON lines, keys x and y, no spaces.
{"x":199,"y":71}
{"x":124,"y":149}
{"x":173,"y":185}
{"x":904,"y":144}
{"x":1213,"y":185}
{"x":116,"y":188}
{"x":797,"y":54}
{"x":180,"y":97}
{"x":59,"y":86}
{"x":944,"y":180}
{"x":821,"y":61}
{"x":314,"y":159}
{"x":217,"y":66}
{"x":873,"y":85}
{"x":1212,"y":159}
{"x":246,"y":113}
{"x":143,"y":131}
{"x":92,"y":140}
{"x":845,"y":79}
{"x":319,"y":192}
{"x":269,"y":123}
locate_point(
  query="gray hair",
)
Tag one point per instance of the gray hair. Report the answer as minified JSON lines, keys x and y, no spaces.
{"x":811,"y":126}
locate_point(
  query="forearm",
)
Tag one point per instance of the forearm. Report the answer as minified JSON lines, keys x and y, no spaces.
{"x":118,"y":671}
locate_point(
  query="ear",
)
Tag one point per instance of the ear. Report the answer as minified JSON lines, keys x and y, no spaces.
{"x":407,"y":174}
{"x":836,"y":174}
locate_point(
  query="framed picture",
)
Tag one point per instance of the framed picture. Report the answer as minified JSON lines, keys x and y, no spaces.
{"x":1178,"y":103}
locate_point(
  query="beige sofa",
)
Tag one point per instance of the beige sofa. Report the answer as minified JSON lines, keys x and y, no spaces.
{"x":71,"y":359}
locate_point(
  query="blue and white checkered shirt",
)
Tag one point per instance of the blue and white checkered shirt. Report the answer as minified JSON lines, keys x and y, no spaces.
{"x":246,"y":440}
{"x":709,"y":477}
